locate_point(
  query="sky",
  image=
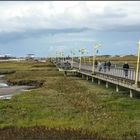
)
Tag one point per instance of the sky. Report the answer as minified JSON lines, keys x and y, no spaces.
{"x":46,"y":27}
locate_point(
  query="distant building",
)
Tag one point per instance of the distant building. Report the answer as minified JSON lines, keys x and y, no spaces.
{"x":6,"y":56}
{"x":30,"y":56}
{"x":116,"y":56}
{"x":130,"y":55}
{"x":105,"y":56}
{"x":122,"y":55}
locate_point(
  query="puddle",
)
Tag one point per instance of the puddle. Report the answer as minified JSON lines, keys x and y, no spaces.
{"x":6,"y":92}
{"x":3,"y":85}
{"x":6,"y":97}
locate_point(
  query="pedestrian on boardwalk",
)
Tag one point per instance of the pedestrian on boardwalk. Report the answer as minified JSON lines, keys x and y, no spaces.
{"x":104,"y":66}
{"x":125,"y":68}
{"x":99,"y":66}
{"x":108,"y":65}
{"x":96,"y":64}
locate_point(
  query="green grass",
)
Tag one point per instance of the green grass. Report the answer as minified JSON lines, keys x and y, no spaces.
{"x":68,"y":103}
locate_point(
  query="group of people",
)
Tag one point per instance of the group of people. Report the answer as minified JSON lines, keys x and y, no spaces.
{"x":104,"y":66}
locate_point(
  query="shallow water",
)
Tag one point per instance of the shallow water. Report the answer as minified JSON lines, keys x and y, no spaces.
{"x":5,"y":97}
{"x":3,"y":85}
{"x":6,"y":92}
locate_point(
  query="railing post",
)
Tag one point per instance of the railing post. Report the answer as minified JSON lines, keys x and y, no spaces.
{"x":131,"y":93}
{"x":106,"y":85}
{"x":117,"y":88}
{"x":92,"y":79}
{"x":99,"y":81}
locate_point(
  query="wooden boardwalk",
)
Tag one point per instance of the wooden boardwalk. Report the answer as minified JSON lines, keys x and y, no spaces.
{"x":115,"y":76}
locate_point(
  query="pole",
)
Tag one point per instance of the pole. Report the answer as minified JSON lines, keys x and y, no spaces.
{"x":137,"y":69}
{"x":80,"y":59}
{"x":56,"y":57}
{"x":94,"y":55}
{"x":88,"y":52}
{"x":72,"y":58}
{"x":63,"y":56}
{"x":89,"y":59}
{"x":72,"y":61}
{"x":84,"y":59}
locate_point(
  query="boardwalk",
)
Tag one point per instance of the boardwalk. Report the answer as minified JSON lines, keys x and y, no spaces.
{"x":114,"y":75}
{"x":116,"y":72}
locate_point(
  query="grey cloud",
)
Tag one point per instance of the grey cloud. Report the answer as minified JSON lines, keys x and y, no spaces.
{"x":6,"y":37}
{"x":123,"y":28}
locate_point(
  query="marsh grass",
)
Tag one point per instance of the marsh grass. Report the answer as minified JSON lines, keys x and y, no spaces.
{"x":76,"y":108}
{"x":6,"y":71}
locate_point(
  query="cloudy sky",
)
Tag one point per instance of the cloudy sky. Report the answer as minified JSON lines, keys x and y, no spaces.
{"x":42,"y":27}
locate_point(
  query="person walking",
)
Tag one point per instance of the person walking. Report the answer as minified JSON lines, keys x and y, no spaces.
{"x":108,"y":65}
{"x":104,"y":66}
{"x":96,"y":64}
{"x":125,"y":68}
{"x":99,"y":66}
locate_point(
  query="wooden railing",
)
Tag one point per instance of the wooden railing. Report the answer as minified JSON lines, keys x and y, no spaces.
{"x":117,"y":72}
